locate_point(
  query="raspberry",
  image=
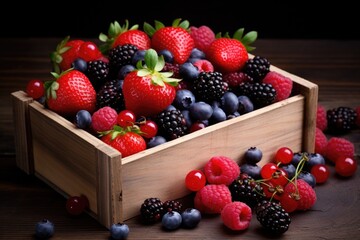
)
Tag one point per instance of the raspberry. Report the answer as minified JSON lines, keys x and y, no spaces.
{"x":104,"y":119}
{"x":306,"y":194}
{"x":320,"y":141}
{"x":221,"y":170}
{"x":357,"y":121}
{"x":283,"y":85}
{"x":234,"y":79}
{"x":203,"y":37}
{"x":204,"y":65}
{"x":236,"y":215}
{"x":321,"y":119}
{"x":212,"y":198}
{"x":338,"y":147}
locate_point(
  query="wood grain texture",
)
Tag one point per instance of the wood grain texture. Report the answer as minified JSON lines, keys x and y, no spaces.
{"x":332,"y":65}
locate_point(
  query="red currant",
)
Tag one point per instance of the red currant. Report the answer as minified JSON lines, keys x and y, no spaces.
{"x":267,"y":170}
{"x":149,"y":129}
{"x":289,"y":201}
{"x":345,"y":166}
{"x":284,"y":155}
{"x":195,"y":180}
{"x":35,"y":89}
{"x":320,"y":172}
{"x":279,"y":177}
{"x":197,"y":126}
{"x":126,"y":118}
{"x":271,"y":190}
{"x":76,"y":205}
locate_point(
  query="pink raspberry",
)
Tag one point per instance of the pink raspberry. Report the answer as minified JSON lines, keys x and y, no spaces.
{"x":236,"y":215}
{"x":357,"y":121}
{"x":212,"y":198}
{"x":321,"y":119}
{"x":221,"y":170}
{"x":337,"y":147}
{"x":234,"y":79}
{"x":306,"y":194}
{"x":203,"y":37}
{"x":204,"y":65}
{"x":283,"y":85}
{"x":104,"y":119}
{"x":320,"y":141}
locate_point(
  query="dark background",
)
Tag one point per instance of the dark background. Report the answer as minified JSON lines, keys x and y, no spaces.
{"x":272,"y":19}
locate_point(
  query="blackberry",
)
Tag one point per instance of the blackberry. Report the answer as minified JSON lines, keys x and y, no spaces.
{"x":171,"y":124}
{"x":341,"y":119}
{"x":172,"y":67}
{"x":272,"y":217}
{"x":260,"y":94}
{"x":97,"y":72}
{"x":110,"y":94}
{"x":257,"y":68}
{"x":152,"y":210}
{"x":121,"y":56}
{"x":209,"y":86}
{"x":172,"y":205}
{"x":246,"y":189}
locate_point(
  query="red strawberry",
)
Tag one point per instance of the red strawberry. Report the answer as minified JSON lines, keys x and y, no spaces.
{"x":66,"y":52}
{"x":176,"y":39}
{"x":72,"y":91}
{"x":121,"y":35}
{"x":203,"y":37}
{"x":126,"y":142}
{"x":147,"y":91}
{"x":230,"y":54}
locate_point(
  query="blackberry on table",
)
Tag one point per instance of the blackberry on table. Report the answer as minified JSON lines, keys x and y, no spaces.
{"x":152,"y":210}
{"x":341,"y":119}
{"x":209,"y":86}
{"x":97,"y":72}
{"x":260,"y":94}
{"x":171,"y":124}
{"x":272,"y":217}
{"x":110,"y":94}
{"x":121,"y":56}
{"x":257,"y":68}
{"x":172,"y":205}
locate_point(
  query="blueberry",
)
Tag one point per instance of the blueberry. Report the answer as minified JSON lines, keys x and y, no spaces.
{"x":79,"y":64}
{"x":170,"y":107}
{"x":253,"y":155}
{"x":168,"y":56}
{"x":308,"y":177}
{"x":229,"y":102}
{"x":314,"y":159}
{"x":119,"y":231}
{"x":183,"y":99}
{"x":297,"y":157}
{"x":245,"y":105}
{"x":233,"y":115}
{"x":200,"y":111}
{"x":83,"y":119}
{"x":138,"y":56}
{"x":124,"y":70}
{"x":217,"y":116}
{"x":215,"y":104}
{"x":186,"y":114}
{"x":251,"y":170}
{"x":188,"y":71}
{"x":190,"y":217}
{"x":290,"y":169}
{"x":197,"y":53}
{"x":171,"y":220}
{"x":44,"y":229}
{"x":155,"y":141}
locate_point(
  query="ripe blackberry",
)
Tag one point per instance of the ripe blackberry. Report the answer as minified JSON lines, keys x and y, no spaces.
{"x":172,"y":67}
{"x":110,"y":94}
{"x":120,"y":56}
{"x":209,"y":86}
{"x":97,"y":72}
{"x":261,"y":94}
{"x":272,"y":217}
{"x":172,"y":205}
{"x":257,"y":68}
{"x":171,"y":123}
{"x":152,"y":210}
{"x":341,"y":119}
{"x":245,"y":189}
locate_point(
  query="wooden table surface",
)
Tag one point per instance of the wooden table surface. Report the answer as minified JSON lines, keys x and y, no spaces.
{"x":24,"y":200}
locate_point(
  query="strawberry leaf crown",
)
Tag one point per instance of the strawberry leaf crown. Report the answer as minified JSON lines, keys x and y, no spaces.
{"x":246,"y":39}
{"x":117,"y":130}
{"x":52,"y":86}
{"x":153,"y":66}
{"x":56,"y":57}
{"x":115,"y":29}
{"x":150,"y":30}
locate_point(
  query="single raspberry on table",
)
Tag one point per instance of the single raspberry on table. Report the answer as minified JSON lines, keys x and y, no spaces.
{"x":337,"y":147}
{"x":221,"y":170}
{"x":283,"y":85}
{"x":212,"y":198}
{"x":236,"y":215}
{"x":321,"y":119}
{"x":104,"y":119}
{"x":320,"y":141}
{"x":203,"y":36}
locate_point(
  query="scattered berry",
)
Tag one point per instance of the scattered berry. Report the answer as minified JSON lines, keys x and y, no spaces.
{"x":148,"y":129}
{"x":152,"y":210}
{"x":76,"y":205}
{"x":236,"y":216}
{"x":44,"y":229}
{"x":251,"y":170}
{"x":260,"y":94}
{"x":212,"y":198}
{"x":83,"y":119}
{"x":321,"y":173}
{"x":283,"y":155}
{"x":257,"y":68}
{"x":119,"y":231}
{"x":320,"y":141}
{"x":253,"y":155}
{"x":203,"y":36}
{"x":35,"y":89}
{"x":195,"y":180}
{"x":341,"y":119}
{"x":338,"y":147}
{"x":314,"y":159}
{"x":204,"y":65}
{"x":245,"y":105}
{"x":321,"y":120}
{"x":104,"y":119}
{"x":172,"y":205}
{"x":155,"y":141}
{"x":282,"y":85}
{"x":171,"y":220}
{"x":190,"y":218}
{"x":126,"y":118}
{"x":272,"y":217}
{"x":221,"y":170}
{"x":307,"y":195}
{"x":307,"y":177}
{"x":345,"y":166}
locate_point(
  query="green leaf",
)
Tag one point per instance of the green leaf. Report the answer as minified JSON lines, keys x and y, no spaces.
{"x":176,"y":22}
{"x":158,"y":25}
{"x":239,"y":34}
{"x":172,"y":81}
{"x":167,"y":74}
{"x":157,"y":80}
{"x":103,"y":37}
{"x":184,"y":24}
{"x":160,"y":63}
{"x":218,"y":35}
{"x":58,"y":59}
{"x":143,"y":72}
{"x":139,"y":65}
{"x":112,"y":31}
{"x":136,"y":26}
{"x":64,"y":49}
{"x":151,"y":58}
{"x":150,"y":30}
{"x":250,"y":48}
{"x":249,"y":38}
{"x":55,"y":75}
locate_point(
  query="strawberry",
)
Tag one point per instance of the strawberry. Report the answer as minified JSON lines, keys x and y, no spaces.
{"x":230,"y":54}
{"x":174,"y":38}
{"x":125,"y":141}
{"x":66,"y":52}
{"x":121,"y":35}
{"x":72,"y":91}
{"x":147,"y":91}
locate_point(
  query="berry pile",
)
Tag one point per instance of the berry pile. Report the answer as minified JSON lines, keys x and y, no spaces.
{"x":174,"y":79}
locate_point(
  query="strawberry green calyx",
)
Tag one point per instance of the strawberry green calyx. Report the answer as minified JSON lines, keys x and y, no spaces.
{"x":153,"y":65}
{"x":52,"y":86}
{"x":117,"y":130}
{"x":115,"y":29}
{"x":150,"y":30}
{"x":56,"y":57}
{"x":247,"y":39}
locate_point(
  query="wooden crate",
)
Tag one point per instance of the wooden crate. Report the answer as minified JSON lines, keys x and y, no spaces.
{"x":74,"y":162}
